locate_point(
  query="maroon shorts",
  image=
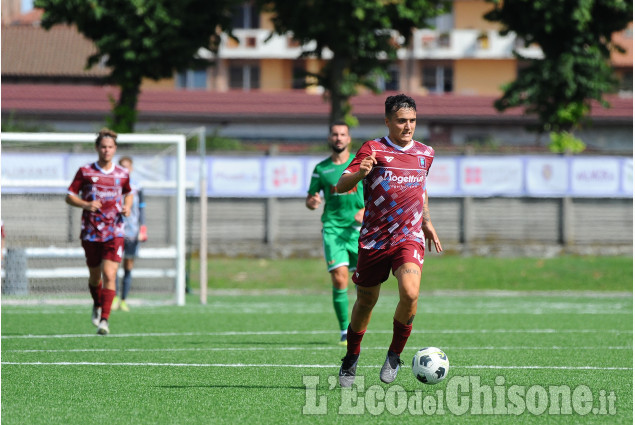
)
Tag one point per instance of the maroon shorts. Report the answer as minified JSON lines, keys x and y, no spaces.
{"x":98,"y":251}
{"x":374,"y":265}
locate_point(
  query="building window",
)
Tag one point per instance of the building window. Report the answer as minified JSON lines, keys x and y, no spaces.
{"x":246,"y":16}
{"x":192,"y":79}
{"x":438,"y":78}
{"x":392,"y":82}
{"x":244,"y":77}
{"x":442,"y":23}
{"x":626,"y":82}
{"x":299,"y":77}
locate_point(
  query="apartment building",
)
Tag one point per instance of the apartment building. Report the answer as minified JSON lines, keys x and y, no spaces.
{"x":464,"y":55}
{"x":464,"y":59}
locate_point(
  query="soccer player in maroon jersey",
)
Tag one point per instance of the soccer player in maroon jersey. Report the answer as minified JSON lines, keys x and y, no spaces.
{"x":102,"y":190}
{"x":396,"y":225}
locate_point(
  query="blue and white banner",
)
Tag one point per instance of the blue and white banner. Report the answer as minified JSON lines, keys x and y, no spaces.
{"x":289,"y":176}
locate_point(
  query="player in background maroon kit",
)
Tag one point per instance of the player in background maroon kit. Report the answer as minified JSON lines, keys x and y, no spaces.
{"x":395,"y":227}
{"x":102,"y":190}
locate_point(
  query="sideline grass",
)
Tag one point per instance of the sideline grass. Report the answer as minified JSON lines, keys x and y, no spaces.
{"x":440,"y":272}
{"x":273,"y":359}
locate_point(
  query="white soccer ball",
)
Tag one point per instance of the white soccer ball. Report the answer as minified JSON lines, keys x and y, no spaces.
{"x":430,"y":365}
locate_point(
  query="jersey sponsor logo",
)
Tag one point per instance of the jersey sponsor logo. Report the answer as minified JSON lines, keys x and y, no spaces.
{"x":107,"y":193}
{"x":390,"y":176}
{"x":389,"y":158}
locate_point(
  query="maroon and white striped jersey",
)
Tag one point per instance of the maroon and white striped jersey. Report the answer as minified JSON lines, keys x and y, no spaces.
{"x":108,"y":186}
{"x":394,"y":192}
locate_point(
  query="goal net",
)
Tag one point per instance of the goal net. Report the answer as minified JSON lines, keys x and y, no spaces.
{"x":42,"y":254}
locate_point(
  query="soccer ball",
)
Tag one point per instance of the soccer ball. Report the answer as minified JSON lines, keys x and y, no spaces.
{"x":430,"y":365}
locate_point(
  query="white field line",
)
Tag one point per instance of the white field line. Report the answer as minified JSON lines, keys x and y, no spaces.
{"x":339,"y":348}
{"x":321,"y":332}
{"x":303,"y":366}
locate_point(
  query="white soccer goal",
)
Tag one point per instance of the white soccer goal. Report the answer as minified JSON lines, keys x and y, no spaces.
{"x":43,"y":255}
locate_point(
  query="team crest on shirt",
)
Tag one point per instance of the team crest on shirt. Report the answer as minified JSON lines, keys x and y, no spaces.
{"x":422,"y":162}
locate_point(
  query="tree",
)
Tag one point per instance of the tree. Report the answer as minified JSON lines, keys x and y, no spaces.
{"x":575,"y":38}
{"x":141,"y":39}
{"x":363,"y":35}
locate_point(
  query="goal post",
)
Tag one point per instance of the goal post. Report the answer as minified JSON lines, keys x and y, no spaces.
{"x":38,"y":167}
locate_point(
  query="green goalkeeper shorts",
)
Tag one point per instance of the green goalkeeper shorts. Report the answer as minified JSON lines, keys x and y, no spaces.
{"x":340,"y":247}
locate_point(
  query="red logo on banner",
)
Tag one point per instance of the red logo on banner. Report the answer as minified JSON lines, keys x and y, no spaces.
{"x":473,"y":175}
{"x":284,"y":177}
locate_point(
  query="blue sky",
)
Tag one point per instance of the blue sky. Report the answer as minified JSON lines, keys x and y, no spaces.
{"x":27,"y":5}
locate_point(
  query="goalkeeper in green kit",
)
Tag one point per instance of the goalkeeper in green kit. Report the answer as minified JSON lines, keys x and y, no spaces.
{"x":341,"y":219}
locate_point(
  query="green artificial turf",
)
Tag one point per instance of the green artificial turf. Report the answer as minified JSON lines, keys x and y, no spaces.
{"x":273,"y":359}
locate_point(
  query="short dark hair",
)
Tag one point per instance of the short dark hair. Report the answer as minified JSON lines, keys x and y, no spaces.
{"x":103,"y":133}
{"x":397,"y":102}
{"x":338,"y":122}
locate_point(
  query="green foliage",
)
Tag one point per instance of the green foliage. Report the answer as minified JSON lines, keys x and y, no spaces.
{"x":141,"y":38}
{"x":215,"y":143}
{"x":124,"y":115}
{"x":363,"y":35}
{"x":575,"y":37}
{"x":565,"y":142}
{"x":12,"y":124}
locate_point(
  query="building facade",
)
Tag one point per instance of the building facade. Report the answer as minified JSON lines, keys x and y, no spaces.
{"x":456,"y":70}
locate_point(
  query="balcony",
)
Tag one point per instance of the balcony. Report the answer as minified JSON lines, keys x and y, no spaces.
{"x":256,"y":44}
{"x":467,"y":43}
{"x":427,"y":44}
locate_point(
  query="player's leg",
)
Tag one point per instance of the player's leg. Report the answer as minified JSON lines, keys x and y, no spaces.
{"x":337,"y":264}
{"x":339,"y":278}
{"x":409,"y":279}
{"x":408,"y":274}
{"x":128,"y":265}
{"x":113,"y":250}
{"x":360,"y":318}
{"x":372,"y":270}
{"x":109,"y":273}
{"x":95,"y":288}
{"x":131,"y":251}
{"x":92,"y":251}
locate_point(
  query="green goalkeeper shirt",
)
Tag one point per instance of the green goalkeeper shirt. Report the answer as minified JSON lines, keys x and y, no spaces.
{"x":339,"y":208}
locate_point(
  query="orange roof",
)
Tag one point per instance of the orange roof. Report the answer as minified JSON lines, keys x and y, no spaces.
{"x":32,"y":51}
{"x":74,"y":100}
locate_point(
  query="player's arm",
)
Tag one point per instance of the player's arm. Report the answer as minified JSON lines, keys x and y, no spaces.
{"x":75,"y":201}
{"x":313,"y":201}
{"x":127,"y":204}
{"x":349,"y":180}
{"x":143,"y":230}
{"x":359,"y":215}
{"x":428,"y":229}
